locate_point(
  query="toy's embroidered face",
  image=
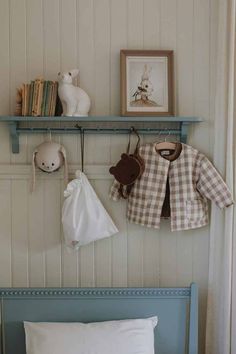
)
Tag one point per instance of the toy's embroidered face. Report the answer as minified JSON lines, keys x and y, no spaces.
{"x":126,"y":171}
{"x":47,"y":165}
{"x":49,"y":157}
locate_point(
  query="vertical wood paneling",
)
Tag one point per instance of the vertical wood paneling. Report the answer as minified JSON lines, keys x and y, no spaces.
{"x":87,"y":267}
{"x":202,"y":101}
{"x":86,"y":60}
{"x":185,"y":38}
{"x":34,"y":38}
{"x":86,"y":46}
{"x":118,"y":41}
{"x":4,"y":73}
{"x":52,"y":223}
{"x":18,"y":65}
{"x":168,"y":256}
{"x":184,"y":258}
{"x":20,"y":211}
{"x":37,"y":244}
{"x":52,"y":45}
{"x":168,"y":242}
{"x":201,"y":73}
{"x":68,"y":57}
{"x":35,"y":56}
{"x":135,"y":233}
{"x":119,"y":242}
{"x":51,"y":24}
{"x":118,"y":143}
{"x":151,"y":242}
{"x":168,"y":39}
{"x":151,"y":23}
{"x":4,"y":56}
{"x":103,"y":248}
{"x":135,"y":255}
{"x":98,"y":149}
{"x":102,"y":56}
{"x":200,"y":267}
{"x":135,"y":24}
{"x":5,"y":234}
{"x":119,"y":28}
{"x":151,"y":258}
{"x":40,"y":37}
{"x":184,"y":56}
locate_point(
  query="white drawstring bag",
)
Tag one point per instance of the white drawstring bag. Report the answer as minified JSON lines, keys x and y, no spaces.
{"x":84,"y":218}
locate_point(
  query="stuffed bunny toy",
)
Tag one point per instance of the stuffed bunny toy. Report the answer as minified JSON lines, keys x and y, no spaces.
{"x":145,"y":88}
{"x":49,"y":157}
{"x":146,"y":85}
{"x":75,"y":101}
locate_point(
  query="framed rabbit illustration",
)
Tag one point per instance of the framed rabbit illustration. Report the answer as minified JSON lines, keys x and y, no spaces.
{"x":146,"y":82}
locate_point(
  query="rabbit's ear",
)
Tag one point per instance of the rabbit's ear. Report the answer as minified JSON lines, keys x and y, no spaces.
{"x":74,"y":73}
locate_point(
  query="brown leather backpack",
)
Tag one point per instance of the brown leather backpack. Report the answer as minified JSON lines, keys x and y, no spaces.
{"x":129,"y":168}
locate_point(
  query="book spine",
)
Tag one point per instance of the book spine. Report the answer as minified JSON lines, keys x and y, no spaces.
{"x":40,"y":98}
{"x":50,"y":102}
{"x":23,"y":99}
{"x":54,"y":98}
{"x":35,"y":98}
{"x":27,"y":98}
{"x":31,"y":97}
{"x":48,"y":98}
{"x":44,"y":98}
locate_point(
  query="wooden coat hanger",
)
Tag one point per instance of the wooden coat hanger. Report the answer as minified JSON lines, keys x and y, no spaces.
{"x":165,"y":145}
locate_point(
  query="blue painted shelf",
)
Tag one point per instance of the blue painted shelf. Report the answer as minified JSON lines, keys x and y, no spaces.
{"x":96,"y":125}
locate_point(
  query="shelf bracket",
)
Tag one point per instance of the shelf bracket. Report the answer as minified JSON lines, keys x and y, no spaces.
{"x":14,"y":136}
{"x":184,"y":132}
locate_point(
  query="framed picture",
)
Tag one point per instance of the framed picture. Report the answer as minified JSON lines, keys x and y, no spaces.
{"x":146,"y":82}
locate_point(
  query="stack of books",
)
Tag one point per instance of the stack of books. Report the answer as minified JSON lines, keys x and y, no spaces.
{"x":39,"y":98}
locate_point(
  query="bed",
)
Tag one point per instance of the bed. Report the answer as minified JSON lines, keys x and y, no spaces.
{"x":176,"y":308}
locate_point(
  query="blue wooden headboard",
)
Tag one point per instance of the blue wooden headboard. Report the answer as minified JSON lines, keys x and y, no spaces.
{"x":176,"y":308}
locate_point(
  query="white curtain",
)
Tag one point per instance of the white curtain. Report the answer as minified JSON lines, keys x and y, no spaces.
{"x":221,"y":309}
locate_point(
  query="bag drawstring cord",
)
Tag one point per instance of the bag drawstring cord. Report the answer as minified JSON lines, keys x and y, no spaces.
{"x":82,"y":148}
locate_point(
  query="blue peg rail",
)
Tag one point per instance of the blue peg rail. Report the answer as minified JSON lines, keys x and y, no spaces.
{"x":97,"y":125}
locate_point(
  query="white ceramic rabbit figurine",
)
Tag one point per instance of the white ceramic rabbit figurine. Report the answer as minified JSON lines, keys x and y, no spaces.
{"x":75,"y":101}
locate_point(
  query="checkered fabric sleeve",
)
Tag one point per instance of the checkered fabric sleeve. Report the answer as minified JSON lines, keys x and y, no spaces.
{"x":211,"y":185}
{"x":114,"y":191}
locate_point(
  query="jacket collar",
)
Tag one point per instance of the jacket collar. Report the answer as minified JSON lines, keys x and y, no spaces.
{"x":174,"y":156}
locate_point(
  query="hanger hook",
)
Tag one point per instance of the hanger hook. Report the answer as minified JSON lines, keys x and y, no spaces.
{"x":167,"y":135}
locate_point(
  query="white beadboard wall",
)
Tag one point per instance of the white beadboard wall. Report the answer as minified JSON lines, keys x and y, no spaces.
{"x":42,"y":37}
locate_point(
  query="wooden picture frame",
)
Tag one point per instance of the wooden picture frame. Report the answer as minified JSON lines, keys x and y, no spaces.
{"x":146,"y":82}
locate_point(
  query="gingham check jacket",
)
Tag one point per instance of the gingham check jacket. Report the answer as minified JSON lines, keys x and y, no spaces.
{"x":193,"y":180}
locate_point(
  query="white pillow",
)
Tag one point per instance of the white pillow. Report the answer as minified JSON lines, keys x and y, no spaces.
{"x":110,"y":337}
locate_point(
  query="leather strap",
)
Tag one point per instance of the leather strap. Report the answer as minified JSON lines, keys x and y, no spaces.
{"x":133,"y":130}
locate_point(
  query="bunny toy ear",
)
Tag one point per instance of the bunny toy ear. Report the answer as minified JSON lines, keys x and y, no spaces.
{"x":63,"y":152}
{"x":146,"y":72}
{"x":33,"y":171}
{"x":74,"y":73}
